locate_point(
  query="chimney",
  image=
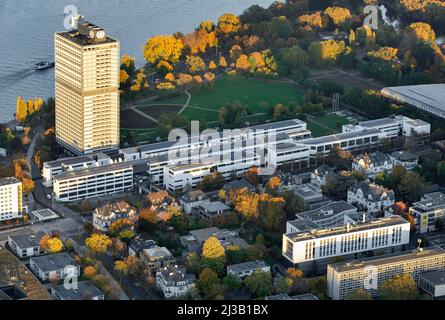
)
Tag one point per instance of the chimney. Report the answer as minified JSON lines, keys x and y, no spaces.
{"x":364,"y":218}
{"x":348,"y":227}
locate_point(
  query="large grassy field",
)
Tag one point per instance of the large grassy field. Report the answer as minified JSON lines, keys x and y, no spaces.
{"x":326,"y":125}
{"x":205,"y":104}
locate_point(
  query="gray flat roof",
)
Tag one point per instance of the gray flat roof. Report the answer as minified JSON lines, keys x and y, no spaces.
{"x":435,"y":277}
{"x":168,"y":144}
{"x":8,"y":180}
{"x":395,"y":258}
{"x":431,"y":95}
{"x":214,"y":206}
{"x":246,"y":266}
{"x":93,"y":171}
{"x":54,"y":261}
{"x":340,"y":137}
{"x":82,"y":40}
{"x":369,"y":225}
{"x":304,"y":224}
{"x":68,"y":161}
{"x":27,"y":240}
{"x":322,"y":212}
{"x":85,"y":290}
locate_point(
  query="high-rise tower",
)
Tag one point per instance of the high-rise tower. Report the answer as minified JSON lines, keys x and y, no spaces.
{"x":87,"y":89}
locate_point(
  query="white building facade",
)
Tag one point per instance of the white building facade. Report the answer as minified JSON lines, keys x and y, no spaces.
{"x":11,"y":199}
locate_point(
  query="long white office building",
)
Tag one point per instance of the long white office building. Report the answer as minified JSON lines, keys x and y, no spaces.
{"x":306,"y":247}
{"x":178,"y":164}
{"x":93,"y":182}
{"x":345,"y":278}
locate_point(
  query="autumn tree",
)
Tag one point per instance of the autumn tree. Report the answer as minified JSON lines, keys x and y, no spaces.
{"x":212,"y":249}
{"x":338,"y":15}
{"x":128,"y":64}
{"x":360,"y":294}
{"x":163,"y":47}
{"x":148,"y":219}
{"x":213,"y":255}
{"x":400,"y":287}
{"x":184,"y":79}
{"x":422,"y":31}
{"x":21,"y":111}
{"x":98,"y":243}
{"x":51,"y":244}
{"x":222,"y":62}
{"x":196,"y":64}
{"x":89,"y":272}
{"x":228,"y":23}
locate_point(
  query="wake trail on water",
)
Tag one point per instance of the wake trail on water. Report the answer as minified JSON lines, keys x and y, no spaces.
{"x":13,"y":77}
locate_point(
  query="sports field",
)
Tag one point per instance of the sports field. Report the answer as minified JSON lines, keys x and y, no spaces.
{"x":326,"y":125}
{"x":205,"y":104}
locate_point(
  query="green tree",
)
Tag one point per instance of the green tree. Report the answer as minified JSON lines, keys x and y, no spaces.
{"x":259,"y":283}
{"x":360,"y":294}
{"x":232,"y":282}
{"x":401,"y":287}
{"x":209,"y":284}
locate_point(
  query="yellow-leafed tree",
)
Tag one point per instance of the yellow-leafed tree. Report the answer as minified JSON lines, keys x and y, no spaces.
{"x":98,"y":243}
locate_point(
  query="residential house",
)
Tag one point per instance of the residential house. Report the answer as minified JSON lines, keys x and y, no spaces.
{"x":405,"y":159}
{"x":156,"y":257}
{"x":318,"y":176}
{"x":174,"y":281}
{"x":372,"y":164}
{"x":211,"y":210}
{"x":370,"y":197}
{"x":138,"y":245}
{"x":104,"y":216}
{"x":192,"y":199}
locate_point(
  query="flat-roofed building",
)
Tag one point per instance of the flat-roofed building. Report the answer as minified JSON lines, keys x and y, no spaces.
{"x":245,"y":269}
{"x":210,"y":210}
{"x":85,"y":290}
{"x":53,"y":168}
{"x":87,"y":89}
{"x":405,"y":159}
{"x":93,"y":182}
{"x":427,"y":97}
{"x":54,"y":266}
{"x":345,"y":278}
{"x":427,"y":211}
{"x":26,"y":244}
{"x":18,"y":278}
{"x":327,"y":216}
{"x":313,"y":249}
{"x":11,"y":199}
{"x":433,"y":283}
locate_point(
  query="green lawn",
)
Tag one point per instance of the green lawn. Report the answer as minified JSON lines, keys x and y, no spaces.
{"x":326,"y":125}
{"x":205,"y":104}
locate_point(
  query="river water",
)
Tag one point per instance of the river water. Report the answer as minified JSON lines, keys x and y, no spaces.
{"x":27,"y":34}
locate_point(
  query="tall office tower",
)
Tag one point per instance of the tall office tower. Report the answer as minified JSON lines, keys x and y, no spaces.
{"x":87,"y":89}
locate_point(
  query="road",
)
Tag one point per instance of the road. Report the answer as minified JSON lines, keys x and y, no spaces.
{"x":30,"y":152}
